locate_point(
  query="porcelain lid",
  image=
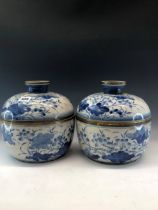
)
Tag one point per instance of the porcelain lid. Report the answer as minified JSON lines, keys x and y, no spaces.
{"x":113,"y":105}
{"x":37,"y":104}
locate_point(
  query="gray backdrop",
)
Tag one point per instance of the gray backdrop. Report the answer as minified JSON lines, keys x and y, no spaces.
{"x":78,"y":43}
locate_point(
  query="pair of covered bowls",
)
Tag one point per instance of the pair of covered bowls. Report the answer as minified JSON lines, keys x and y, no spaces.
{"x":112,"y":127}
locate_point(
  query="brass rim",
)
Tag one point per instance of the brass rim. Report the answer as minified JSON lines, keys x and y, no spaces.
{"x":37,"y":82}
{"x":113,"y":123}
{"x":114,"y":82}
{"x":38,"y":122}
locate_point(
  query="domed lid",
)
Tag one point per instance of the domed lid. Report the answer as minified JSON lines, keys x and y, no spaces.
{"x":112,"y":105}
{"x":37,"y":104}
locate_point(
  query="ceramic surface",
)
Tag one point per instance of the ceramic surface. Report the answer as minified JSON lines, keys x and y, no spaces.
{"x":122,"y":141}
{"x":37,"y":125}
{"x":38,"y":143}
{"x":115,"y":145}
{"x":110,"y":107}
{"x":37,"y":107}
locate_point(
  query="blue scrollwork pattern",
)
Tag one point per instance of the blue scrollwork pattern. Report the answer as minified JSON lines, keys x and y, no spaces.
{"x":108,"y":107}
{"x":113,"y":144}
{"x":38,"y":143}
{"x":31,"y":106}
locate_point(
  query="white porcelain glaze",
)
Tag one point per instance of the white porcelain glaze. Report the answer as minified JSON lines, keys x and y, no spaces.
{"x":38,"y":143}
{"x":37,"y":125}
{"x":115,"y":145}
{"x":111,"y":107}
{"x":37,"y":106}
{"x":113,"y":127}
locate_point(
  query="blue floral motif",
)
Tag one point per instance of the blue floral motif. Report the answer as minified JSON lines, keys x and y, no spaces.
{"x":98,"y":109}
{"x":46,"y":96}
{"x":63,"y":149}
{"x":83,"y":105}
{"x":109,"y":145}
{"x":122,"y":97}
{"x":38,"y":144}
{"x":112,"y":107}
{"x":17,"y":109}
{"x":118,"y":157}
{"x":140,"y":135}
{"x":41,"y":141}
{"x":7,"y":136}
{"x":94,"y":157}
{"x":31,"y":106}
{"x":40,"y":157}
{"x":47,"y":141}
{"x":90,"y":155}
{"x":37,"y":156}
{"x":105,"y":106}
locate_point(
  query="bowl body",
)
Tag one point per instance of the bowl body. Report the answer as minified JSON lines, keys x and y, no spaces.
{"x":38,"y":141}
{"x":114,"y":145}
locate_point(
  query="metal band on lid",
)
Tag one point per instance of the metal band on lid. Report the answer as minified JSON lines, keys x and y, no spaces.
{"x":113,"y":123}
{"x":39,"y":122}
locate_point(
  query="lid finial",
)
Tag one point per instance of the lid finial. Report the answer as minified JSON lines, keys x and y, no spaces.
{"x":113,"y":86}
{"x":37,"y":86}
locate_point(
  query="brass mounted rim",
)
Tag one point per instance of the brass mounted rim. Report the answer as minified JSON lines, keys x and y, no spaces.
{"x":37,"y":82}
{"x":39,"y":122}
{"x":113,"y":82}
{"x":113,"y":123}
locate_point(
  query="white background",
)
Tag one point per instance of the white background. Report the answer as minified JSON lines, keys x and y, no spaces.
{"x":75,"y":182}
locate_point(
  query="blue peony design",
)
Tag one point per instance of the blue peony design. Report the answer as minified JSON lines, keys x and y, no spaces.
{"x":18,"y":109}
{"x":7,"y":136}
{"x":47,"y":141}
{"x":98,"y":109}
{"x":90,"y":155}
{"x":37,"y":156}
{"x":118,"y":157}
{"x":40,"y":157}
{"x":140,"y":135}
{"x":121,"y":97}
{"x":102,"y":106}
{"x":94,"y":157}
{"x":47,"y":97}
{"x":64,"y":148}
{"x":42,"y":141}
{"x":83,"y":105}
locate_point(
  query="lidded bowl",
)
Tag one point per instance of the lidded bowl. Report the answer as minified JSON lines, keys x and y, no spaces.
{"x":37,"y":125}
{"x":112,"y":126}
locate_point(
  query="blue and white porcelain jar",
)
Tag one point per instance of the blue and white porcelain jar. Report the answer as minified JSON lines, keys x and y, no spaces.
{"x":37,"y":125}
{"x":113,"y":127}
